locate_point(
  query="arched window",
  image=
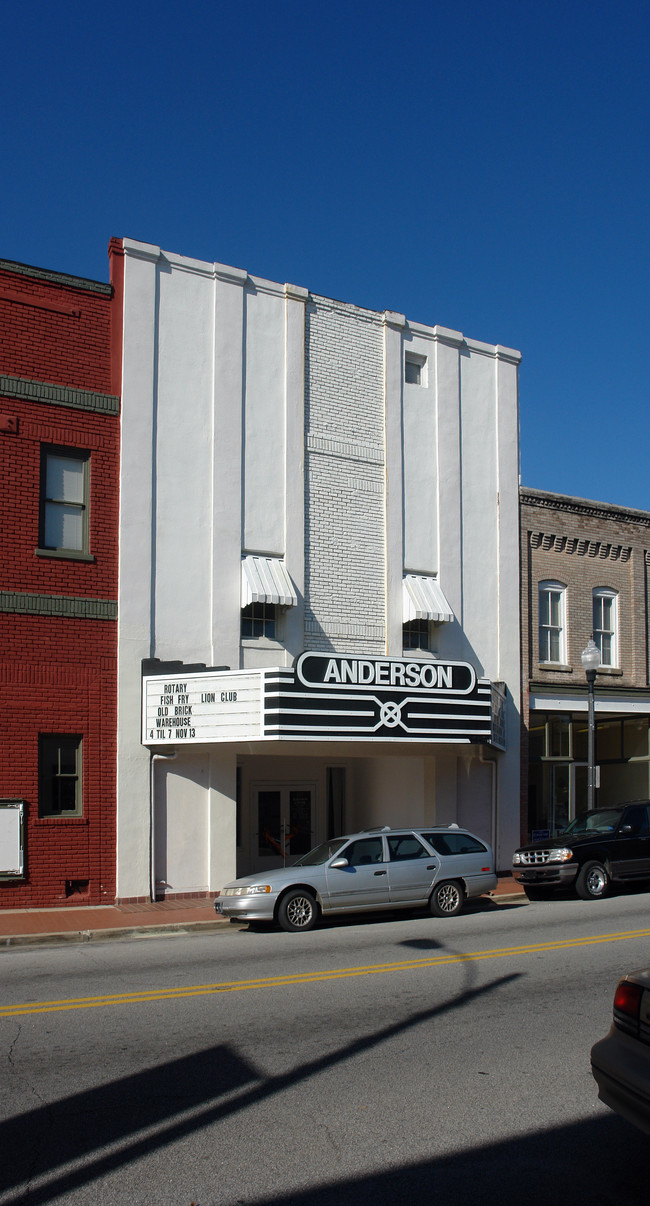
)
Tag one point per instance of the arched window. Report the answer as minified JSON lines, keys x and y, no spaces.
{"x":605,"y":604}
{"x":552,"y":622}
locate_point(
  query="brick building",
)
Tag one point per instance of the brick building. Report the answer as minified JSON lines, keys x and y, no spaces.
{"x":319,"y":544}
{"x":584,"y":571}
{"x":59,"y":443}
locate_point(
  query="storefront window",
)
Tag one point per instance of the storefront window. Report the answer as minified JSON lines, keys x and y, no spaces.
{"x":537,"y":814}
{"x":559,"y":736}
{"x":635,"y":737}
{"x":580,"y":738}
{"x":537,"y":735}
{"x":580,"y":792}
{"x":561,"y":782}
{"x":557,"y":769}
{"x":609,"y":744}
{"x":623,"y":781}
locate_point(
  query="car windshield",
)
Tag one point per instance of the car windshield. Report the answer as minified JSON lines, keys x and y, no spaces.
{"x":601,"y":820}
{"x":320,"y":854}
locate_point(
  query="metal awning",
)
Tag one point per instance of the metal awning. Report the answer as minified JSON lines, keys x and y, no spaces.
{"x":265,"y":580}
{"x":422,"y":599}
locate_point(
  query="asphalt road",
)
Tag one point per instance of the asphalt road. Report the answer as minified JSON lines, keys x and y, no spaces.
{"x":396,"y":1060}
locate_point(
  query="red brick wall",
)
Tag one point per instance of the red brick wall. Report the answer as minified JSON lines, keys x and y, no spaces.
{"x":63,"y":681}
{"x":20,"y":460}
{"x":57,"y":333}
{"x":58,"y":674}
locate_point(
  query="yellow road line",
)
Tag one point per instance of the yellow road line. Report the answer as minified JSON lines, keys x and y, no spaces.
{"x":168,"y":994}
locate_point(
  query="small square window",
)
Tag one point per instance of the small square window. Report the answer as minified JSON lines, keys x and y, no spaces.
{"x":64,"y":500}
{"x":259,"y":620}
{"x":414,"y":369}
{"x":415,"y":634}
{"x":59,"y":775}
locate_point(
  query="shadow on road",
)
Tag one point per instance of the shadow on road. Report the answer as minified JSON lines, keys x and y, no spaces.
{"x":117,"y":1115}
{"x":596,"y":1163}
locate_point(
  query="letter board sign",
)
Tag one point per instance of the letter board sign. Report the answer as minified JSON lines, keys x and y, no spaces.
{"x":322,"y":697}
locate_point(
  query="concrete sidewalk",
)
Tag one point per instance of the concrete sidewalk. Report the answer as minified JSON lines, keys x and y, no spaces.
{"x":41,"y":927}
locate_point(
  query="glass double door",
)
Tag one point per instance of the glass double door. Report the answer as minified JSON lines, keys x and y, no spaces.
{"x":282,"y":823}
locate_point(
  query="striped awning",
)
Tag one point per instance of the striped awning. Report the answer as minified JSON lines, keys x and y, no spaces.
{"x":422,"y":599}
{"x":265,"y":580}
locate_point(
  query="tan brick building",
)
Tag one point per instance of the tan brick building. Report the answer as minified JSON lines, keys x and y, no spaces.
{"x":584,"y":572}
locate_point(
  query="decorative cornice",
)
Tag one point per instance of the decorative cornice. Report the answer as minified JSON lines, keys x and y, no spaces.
{"x":579,"y":546}
{"x":67,"y":606}
{"x":296,"y":292}
{"x":568,"y":504}
{"x":438,"y":334}
{"x":233,"y":276}
{"x":141,"y":251}
{"x":391,"y":318}
{"x":57,"y":278}
{"x":59,"y":395}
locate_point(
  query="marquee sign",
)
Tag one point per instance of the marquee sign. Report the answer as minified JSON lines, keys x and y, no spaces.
{"x":325,"y":697}
{"x":384,"y":674}
{"x":381,"y":699}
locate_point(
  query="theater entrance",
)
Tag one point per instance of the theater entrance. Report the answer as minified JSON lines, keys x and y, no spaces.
{"x":282,"y":823}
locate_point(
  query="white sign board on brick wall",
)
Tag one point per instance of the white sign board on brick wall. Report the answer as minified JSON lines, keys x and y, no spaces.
{"x":192,"y":708}
{"x":11,"y":838}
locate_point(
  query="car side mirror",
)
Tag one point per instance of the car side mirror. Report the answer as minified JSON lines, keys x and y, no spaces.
{"x":628,"y":828}
{"x":339,"y":863}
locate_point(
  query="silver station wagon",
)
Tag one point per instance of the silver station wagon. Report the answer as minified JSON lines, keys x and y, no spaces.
{"x":434,"y":867}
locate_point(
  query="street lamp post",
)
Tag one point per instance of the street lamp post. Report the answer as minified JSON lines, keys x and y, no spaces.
{"x":590,"y":658}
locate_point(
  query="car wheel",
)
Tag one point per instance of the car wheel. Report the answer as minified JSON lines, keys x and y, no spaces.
{"x":538,"y":893}
{"x":447,"y":899}
{"x":297,"y":911}
{"x":592,"y":881}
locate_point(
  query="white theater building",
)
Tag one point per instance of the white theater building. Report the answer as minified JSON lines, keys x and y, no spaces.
{"x":319,"y":575}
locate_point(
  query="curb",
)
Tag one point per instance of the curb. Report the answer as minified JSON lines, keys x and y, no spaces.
{"x":116,"y":933}
{"x":63,"y":938}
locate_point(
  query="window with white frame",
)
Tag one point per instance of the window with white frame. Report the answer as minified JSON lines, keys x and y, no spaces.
{"x":605,"y":612}
{"x":552,"y":622}
{"x":64,"y":500}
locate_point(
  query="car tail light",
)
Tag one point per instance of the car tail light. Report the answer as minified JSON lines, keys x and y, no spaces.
{"x":627,"y":1007}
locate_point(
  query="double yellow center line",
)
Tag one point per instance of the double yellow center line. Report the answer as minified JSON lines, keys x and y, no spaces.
{"x":376,"y":969}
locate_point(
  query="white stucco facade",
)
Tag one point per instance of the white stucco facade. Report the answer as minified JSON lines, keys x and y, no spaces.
{"x":262,"y":421}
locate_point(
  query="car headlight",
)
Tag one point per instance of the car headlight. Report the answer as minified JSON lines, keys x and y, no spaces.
{"x":561,"y":855}
{"x":516,"y":859}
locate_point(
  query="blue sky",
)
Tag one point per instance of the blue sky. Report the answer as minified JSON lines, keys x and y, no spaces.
{"x":484,"y":167}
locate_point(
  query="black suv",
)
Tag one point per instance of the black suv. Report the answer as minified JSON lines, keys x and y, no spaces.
{"x":601,"y":846}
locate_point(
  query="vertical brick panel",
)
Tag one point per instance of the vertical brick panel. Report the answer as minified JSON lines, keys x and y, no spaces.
{"x":58,"y":674}
{"x":345,"y":479}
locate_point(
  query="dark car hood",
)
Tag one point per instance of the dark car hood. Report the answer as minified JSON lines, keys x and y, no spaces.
{"x":566,"y":839}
